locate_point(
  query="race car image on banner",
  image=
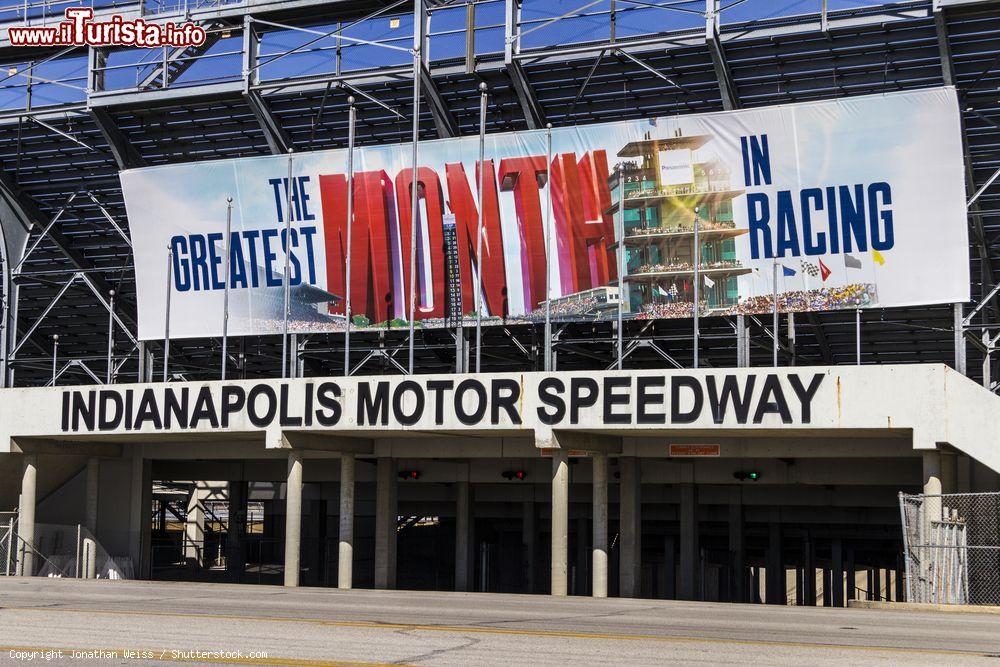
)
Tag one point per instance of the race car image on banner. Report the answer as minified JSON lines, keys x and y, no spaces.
{"x":843,"y":204}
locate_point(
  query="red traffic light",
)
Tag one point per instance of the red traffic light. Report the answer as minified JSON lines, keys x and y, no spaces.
{"x":519,"y":475}
{"x":409,"y":474}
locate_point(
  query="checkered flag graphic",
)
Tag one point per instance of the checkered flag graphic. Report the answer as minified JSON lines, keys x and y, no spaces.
{"x":811,"y":269}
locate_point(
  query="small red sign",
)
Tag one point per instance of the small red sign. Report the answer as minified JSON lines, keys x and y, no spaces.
{"x":692,"y":451}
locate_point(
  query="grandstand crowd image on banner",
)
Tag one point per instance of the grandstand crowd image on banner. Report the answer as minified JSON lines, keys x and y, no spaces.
{"x":822,"y":205}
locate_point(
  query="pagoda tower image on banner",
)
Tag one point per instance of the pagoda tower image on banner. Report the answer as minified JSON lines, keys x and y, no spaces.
{"x":660,"y":188}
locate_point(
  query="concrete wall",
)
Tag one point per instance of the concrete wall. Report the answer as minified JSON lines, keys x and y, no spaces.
{"x":928,"y":404}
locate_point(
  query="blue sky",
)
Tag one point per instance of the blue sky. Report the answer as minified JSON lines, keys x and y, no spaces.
{"x":223,"y":61}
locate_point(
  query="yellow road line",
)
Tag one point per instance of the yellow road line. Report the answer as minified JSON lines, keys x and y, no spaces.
{"x":561,"y":634}
{"x":166,"y":655}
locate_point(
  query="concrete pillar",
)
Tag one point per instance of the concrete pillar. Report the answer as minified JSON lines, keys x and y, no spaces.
{"x":385,"y":524}
{"x":141,"y":508}
{"x":837,"y":572}
{"x":670,"y":567}
{"x":900,"y":578}
{"x":963,"y":467}
{"x":932,"y":471}
{"x":775,"y":587}
{"x":599,"y":554}
{"x":737,"y":549}
{"x":463,"y":550}
{"x":345,"y":557}
{"x":93,"y":480}
{"x":236,"y":530}
{"x":315,"y":531}
{"x":26,"y":516}
{"x":560,"y":521}
{"x":89,"y":547}
{"x":689,"y":584}
{"x":932,"y":485}
{"x":949,"y":472}
{"x":630,"y":522}
{"x":194,"y":527}
{"x":851,"y":574}
{"x":528,"y":543}
{"x":809,"y":578}
{"x":293,"y":518}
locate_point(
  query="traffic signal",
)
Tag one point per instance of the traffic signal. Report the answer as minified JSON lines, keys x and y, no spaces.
{"x":409,"y":474}
{"x":743,"y":475}
{"x":519,"y":475}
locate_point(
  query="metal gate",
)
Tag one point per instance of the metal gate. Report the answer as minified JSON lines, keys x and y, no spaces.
{"x":951,"y":544}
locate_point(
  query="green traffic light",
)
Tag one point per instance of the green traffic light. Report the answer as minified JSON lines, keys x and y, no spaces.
{"x":754,"y":476}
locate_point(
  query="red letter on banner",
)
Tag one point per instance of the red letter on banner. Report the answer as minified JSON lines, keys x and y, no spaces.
{"x":371,"y":268}
{"x":600,"y":226}
{"x":492,"y":264}
{"x":525,"y":176}
{"x":570,"y":232}
{"x":429,"y":189}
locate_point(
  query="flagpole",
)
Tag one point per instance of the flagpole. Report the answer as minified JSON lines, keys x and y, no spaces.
{"x":414,"y":204}
{"x":857,"y":334}
{"x":166,"y":314}
{"x":351,"y":117}
{"x":621,"y":264}
{"x":477,"y":297}
{"x":774,"y":304}
{"x":697,"y":286}
{"x":225,"y":293}
{"x":548,"y":250}
{"x":111,"y":333}
{"x":285,"y":280}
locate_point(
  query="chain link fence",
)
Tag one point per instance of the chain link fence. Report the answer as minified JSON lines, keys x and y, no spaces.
{"x":8,"y":531}
{"x":951,"y":544}
{"x":60,"y":552}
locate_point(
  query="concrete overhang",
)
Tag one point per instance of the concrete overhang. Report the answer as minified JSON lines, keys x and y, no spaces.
{"x":926,"y":406}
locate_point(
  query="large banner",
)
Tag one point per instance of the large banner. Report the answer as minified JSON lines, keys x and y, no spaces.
{"x":844,"y":204}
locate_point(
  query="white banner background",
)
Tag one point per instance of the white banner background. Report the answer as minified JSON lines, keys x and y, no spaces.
{"x":910,"y":141}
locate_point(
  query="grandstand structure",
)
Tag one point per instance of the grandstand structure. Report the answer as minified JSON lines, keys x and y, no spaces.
{"x":274,"y":76}
{"x":636,"y":463}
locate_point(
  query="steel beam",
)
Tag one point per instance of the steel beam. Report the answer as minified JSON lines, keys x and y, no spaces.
{"x":277,"y":139}
{"x":444,"y":121}
{"x":944,"y":49}
{"x":534,"y":115}
{"x":126,"y":156}
{"x":824,"y":345}
{"x":727,"y":88}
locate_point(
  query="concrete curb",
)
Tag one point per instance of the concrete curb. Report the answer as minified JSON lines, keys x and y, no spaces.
{"x":923,"y":606}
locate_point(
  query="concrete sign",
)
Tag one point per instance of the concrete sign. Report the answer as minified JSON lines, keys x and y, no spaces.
{"x":928,"y":404}
{"x":548,"y":400}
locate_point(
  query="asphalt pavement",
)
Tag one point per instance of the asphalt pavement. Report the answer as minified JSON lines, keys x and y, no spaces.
{"x":121,"y":622}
